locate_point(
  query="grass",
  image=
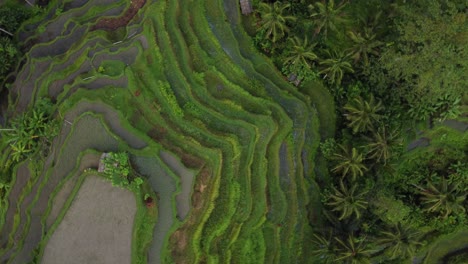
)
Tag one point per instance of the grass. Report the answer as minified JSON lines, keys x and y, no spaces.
{"x":145,"y":221}
{"x":323,"y":101}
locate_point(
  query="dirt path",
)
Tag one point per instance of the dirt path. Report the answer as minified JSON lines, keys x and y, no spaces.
{"x":97,"y":227}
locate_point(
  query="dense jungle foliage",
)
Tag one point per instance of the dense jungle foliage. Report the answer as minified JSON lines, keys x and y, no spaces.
{"x":12,"y":15}
{"x":398,"y":176}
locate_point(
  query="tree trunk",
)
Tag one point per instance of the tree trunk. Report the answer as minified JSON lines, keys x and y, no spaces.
{"x":29,"y":3}
{"x":4,"y":31}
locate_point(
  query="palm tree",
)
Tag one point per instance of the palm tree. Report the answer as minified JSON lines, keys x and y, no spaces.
{"x":400,"y":242}
{"x":349,"y":162}
{"x":380,"y":145}
{"x":353,"y":251}
{"x":301,"y":53}
{"x":363,"y":45}
{"x":444,"y":198}
{"x":324,"y":248}
{"x":274,"y":21}
{"x":335,"y":67}
{"x":327,"y":16}
{"x":363,"y":114}
{"x":347,"y":201}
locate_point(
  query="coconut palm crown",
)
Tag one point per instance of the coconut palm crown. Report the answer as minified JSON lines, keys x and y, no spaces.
{"x":363,"y":115}
{"x":349,"y":162}
{"x":348,"y":201}
{"x":274,"y":20}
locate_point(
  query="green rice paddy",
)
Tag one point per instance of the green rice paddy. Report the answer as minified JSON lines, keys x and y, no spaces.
{"x":225,"y":143}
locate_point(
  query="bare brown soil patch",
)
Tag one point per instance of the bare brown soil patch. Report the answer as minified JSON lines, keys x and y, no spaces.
{"x":191,"y":161}
{"x":157,"y":133}
{"x":115,"y":23}
{"x":178,"y":239}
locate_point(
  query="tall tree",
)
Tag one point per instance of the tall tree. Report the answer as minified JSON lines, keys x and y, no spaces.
{"x":381,"y":143}
{"x":399,"y":242}
{"x":335,"y":66}
{"x":30,"y":131}
{"x":327,"y":16}
{"x":274,"y":20}
{"x":347,"y":201}
{"x":363,"y":115}
{"x":443,"y":198}
{"x":349,"y":162}
{"x":353,"y":251}
{"x":364,"y":45}
{"x":301,"y":53}
{"x":429,"y":57}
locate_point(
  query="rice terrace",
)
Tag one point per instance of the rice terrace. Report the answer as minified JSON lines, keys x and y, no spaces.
{"x":226,"y":131}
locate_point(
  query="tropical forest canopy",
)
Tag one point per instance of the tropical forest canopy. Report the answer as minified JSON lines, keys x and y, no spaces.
{"x":398,"y":177}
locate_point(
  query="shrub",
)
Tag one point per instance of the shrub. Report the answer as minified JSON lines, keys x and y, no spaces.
{"x":117,"y":168}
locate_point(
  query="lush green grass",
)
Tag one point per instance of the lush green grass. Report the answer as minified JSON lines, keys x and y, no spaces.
{"x":322,"y":100}
{"x":145,"y":220}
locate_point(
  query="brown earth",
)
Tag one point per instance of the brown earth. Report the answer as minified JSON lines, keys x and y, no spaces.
{"x":115,"y":23}
{"x":178,"y":239}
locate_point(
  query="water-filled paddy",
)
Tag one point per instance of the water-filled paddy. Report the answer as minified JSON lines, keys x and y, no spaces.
{"x":97,"y":227}
{"x":165,"y":186}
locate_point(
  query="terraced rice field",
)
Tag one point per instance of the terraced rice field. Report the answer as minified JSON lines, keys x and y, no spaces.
{"x":227,"y":144}
{"x":87,"y":233}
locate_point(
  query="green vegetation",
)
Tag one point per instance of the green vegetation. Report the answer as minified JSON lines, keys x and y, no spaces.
{"x":344,"y":142}
{"x":28,"y":135}
{"x":399,"y":242}
{"x":393,"y":69}
{"x":117,"y":169}
{"x":12,"y":15}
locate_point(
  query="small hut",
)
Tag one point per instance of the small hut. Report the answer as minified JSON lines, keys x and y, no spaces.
{"x":246,"y":7}
{"x":294,"y":79}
